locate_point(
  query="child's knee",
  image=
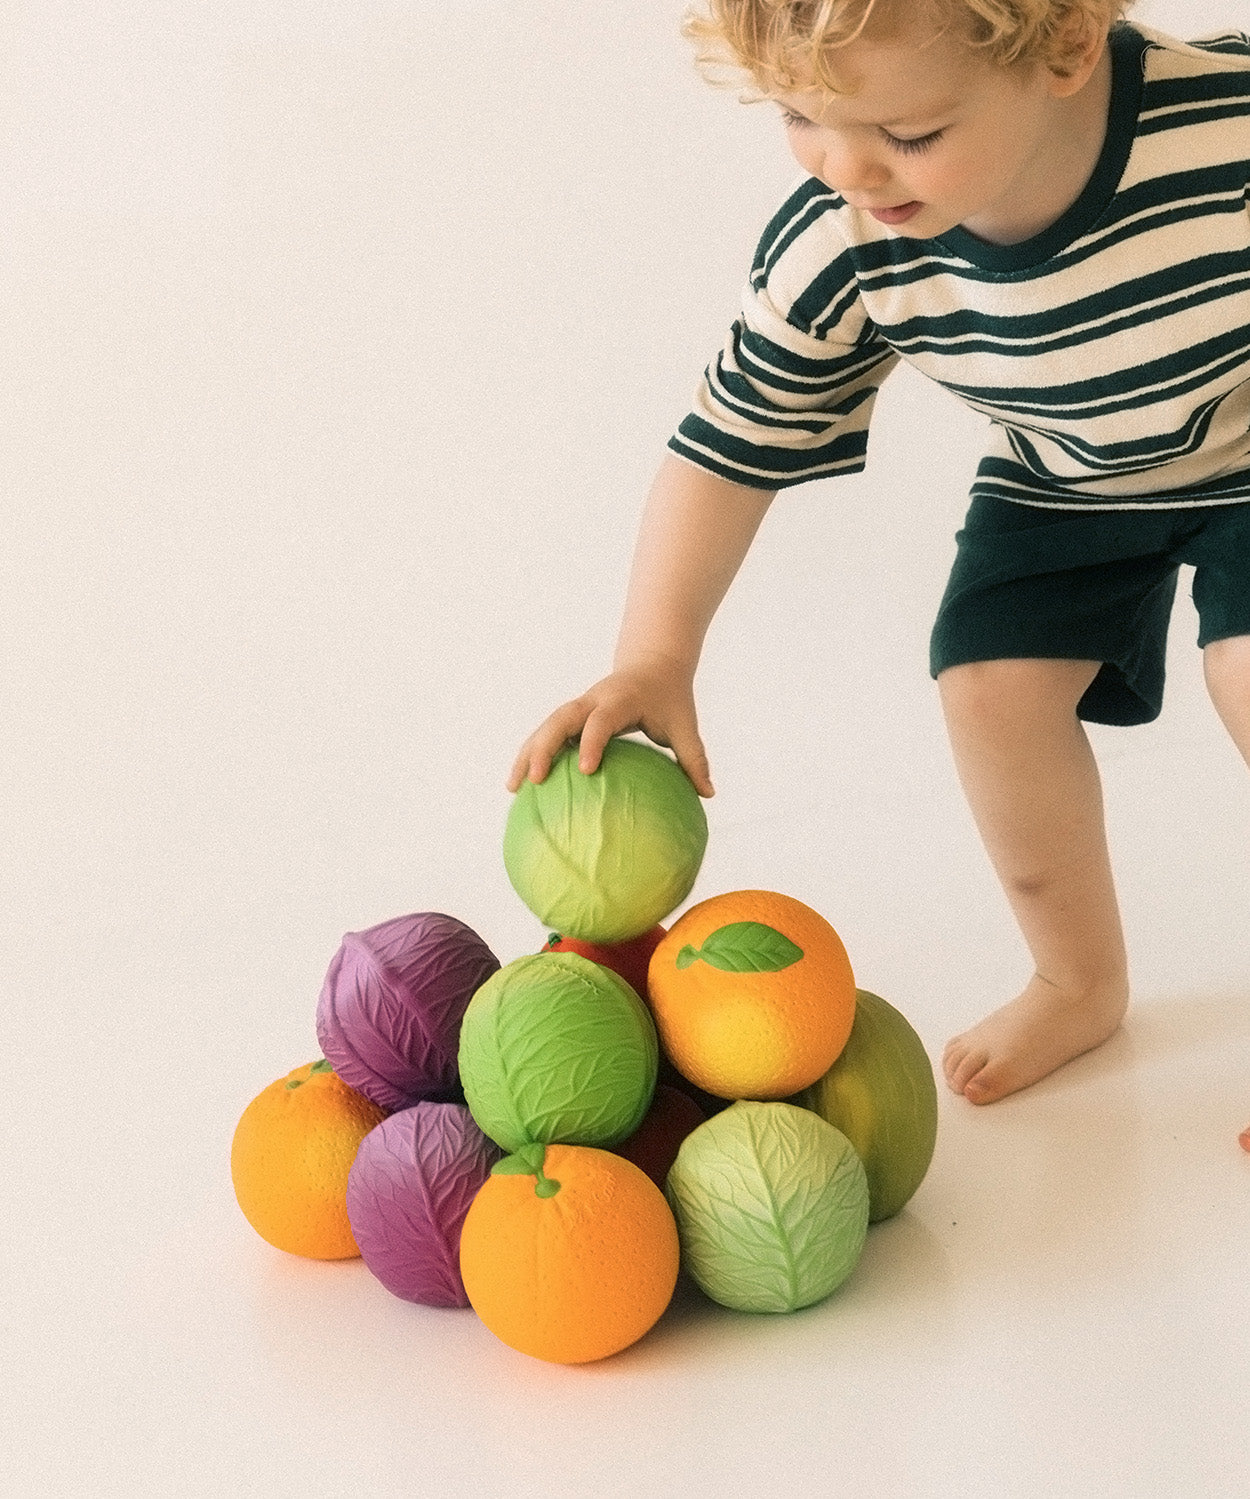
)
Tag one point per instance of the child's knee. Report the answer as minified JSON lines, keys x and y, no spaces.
{"x":1015,"y":690}
{"x":1226,"y":665}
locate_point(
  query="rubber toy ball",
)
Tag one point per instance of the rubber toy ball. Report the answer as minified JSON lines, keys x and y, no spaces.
{"x":389,"y":1014}
{"x":771,"y":1204}
{"x":408,"y":1191}
{"x":606,"y":856}
{"x":556,"y":1048}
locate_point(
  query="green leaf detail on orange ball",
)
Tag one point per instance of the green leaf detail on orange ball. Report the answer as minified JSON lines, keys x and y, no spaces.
{"x":528,"y":1161}
{"x":743,"y":947}
{"x":321,"y":1066}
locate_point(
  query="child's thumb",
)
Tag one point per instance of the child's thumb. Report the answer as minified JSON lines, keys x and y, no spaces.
{"x":692,"y":758}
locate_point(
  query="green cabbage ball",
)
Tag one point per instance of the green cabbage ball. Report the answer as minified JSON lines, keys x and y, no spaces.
{"x":557,"y":1049}
{"x":605,"y":857}
{"x":771,"y":1205}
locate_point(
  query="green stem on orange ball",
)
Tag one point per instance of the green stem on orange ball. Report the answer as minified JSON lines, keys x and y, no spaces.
{"x":321,"y":1066}
{"x":546,"y":1186}
{"x":528,"y":1161}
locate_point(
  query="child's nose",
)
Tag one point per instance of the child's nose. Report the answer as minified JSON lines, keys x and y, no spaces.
{"x":851,"y":166}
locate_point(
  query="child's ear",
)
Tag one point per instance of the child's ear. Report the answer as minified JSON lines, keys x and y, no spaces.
{"x":1076,"y":46}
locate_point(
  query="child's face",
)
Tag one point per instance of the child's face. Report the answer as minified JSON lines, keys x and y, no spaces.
{"x":933,"y":136}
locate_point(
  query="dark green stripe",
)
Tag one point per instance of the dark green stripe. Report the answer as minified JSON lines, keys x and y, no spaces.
{"x":843,"y":452}
{"x":1097,"y":395}
{"x":1175,"y":290}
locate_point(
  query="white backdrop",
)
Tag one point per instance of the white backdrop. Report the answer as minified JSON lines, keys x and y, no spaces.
{"x":341,"y":340}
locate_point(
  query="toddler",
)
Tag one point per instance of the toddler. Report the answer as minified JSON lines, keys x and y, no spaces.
{"x":1044,"y":208}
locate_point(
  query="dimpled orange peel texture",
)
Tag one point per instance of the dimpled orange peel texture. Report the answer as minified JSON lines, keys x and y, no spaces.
{"x":569,"y":1253}
{"x":753,"y":994}
{"x":292,"y":1151}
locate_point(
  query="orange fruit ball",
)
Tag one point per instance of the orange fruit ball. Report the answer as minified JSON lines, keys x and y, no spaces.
{"x":628,"y":959}
{"x":753,"y":995}
{"x":292,"y":1150}
{"x":569,"y":1253}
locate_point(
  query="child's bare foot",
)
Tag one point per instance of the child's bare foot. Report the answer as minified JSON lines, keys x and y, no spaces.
{"x":1030,"y":1037}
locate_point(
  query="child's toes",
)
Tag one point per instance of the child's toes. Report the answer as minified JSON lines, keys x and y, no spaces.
{"x":987,"y":1085}
{"x":963,"y":1064}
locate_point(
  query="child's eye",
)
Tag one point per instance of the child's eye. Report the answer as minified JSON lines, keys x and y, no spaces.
{"x":792,"y":121}
{"x":917,"y":144}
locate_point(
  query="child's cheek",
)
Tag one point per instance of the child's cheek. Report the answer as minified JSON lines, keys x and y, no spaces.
{"x":941,"y":180}
{"x":810,"y":159}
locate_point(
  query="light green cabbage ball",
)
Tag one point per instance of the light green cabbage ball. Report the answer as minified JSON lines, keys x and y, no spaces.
{"x":771,"y":1205}
{"x":605,"y":857}
{"x":557,"y":1049}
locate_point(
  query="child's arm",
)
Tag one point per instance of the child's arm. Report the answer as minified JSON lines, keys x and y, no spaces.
{"x":696,"y":530}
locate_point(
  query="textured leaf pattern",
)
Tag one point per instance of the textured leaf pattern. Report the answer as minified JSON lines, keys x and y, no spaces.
{"x":743,"y":947}
{"x":771,"y":1205}
{"x":408,"y":1192}
{"x":527,"y":1161}
{"x":556,"y":1048}
{"x":391,"y":1005}
{"x":606,"y":856}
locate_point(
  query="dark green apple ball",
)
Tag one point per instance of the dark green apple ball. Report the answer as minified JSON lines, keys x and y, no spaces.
{"x":881,"y":1094}
{"x":604,"y":857}
{"x":556,"y":1049}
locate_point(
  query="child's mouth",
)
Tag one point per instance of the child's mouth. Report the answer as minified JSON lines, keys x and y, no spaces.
{"x":898,"y":215}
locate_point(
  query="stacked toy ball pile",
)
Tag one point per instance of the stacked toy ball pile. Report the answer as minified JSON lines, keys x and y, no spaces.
{"x":550,"y":1139}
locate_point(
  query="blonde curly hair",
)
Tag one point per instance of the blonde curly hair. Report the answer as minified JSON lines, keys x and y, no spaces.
{"x":781,"y":45}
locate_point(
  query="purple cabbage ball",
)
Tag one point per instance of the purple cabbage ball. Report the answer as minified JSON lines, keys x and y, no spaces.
{"x":389,"y":1015}
{"x":409,"y":1189}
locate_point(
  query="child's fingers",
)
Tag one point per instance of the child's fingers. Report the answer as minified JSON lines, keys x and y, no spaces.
{"x":701,"y":776}
{"x":532,"y":762}
{"x":539,"y":757}
{"x":598,"y":729}
{"x":520,"y":768}
{"x":692,"y":758}
{"x":686,"y":745}
{"x":540,"y":749}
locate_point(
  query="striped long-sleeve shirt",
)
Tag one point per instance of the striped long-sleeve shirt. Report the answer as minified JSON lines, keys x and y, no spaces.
{"x":1111,"y":352}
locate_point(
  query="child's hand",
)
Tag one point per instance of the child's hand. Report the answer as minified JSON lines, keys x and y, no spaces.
{"x":659,"y":700}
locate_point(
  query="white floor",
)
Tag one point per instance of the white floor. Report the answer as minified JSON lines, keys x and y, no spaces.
{"x":341,"y":341}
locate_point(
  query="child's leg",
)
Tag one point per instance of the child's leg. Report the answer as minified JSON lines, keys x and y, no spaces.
{"x":1032,"y":783}
{"x":1226,"y":664}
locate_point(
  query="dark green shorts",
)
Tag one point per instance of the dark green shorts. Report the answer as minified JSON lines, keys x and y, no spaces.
{"x":1092,"y":586}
